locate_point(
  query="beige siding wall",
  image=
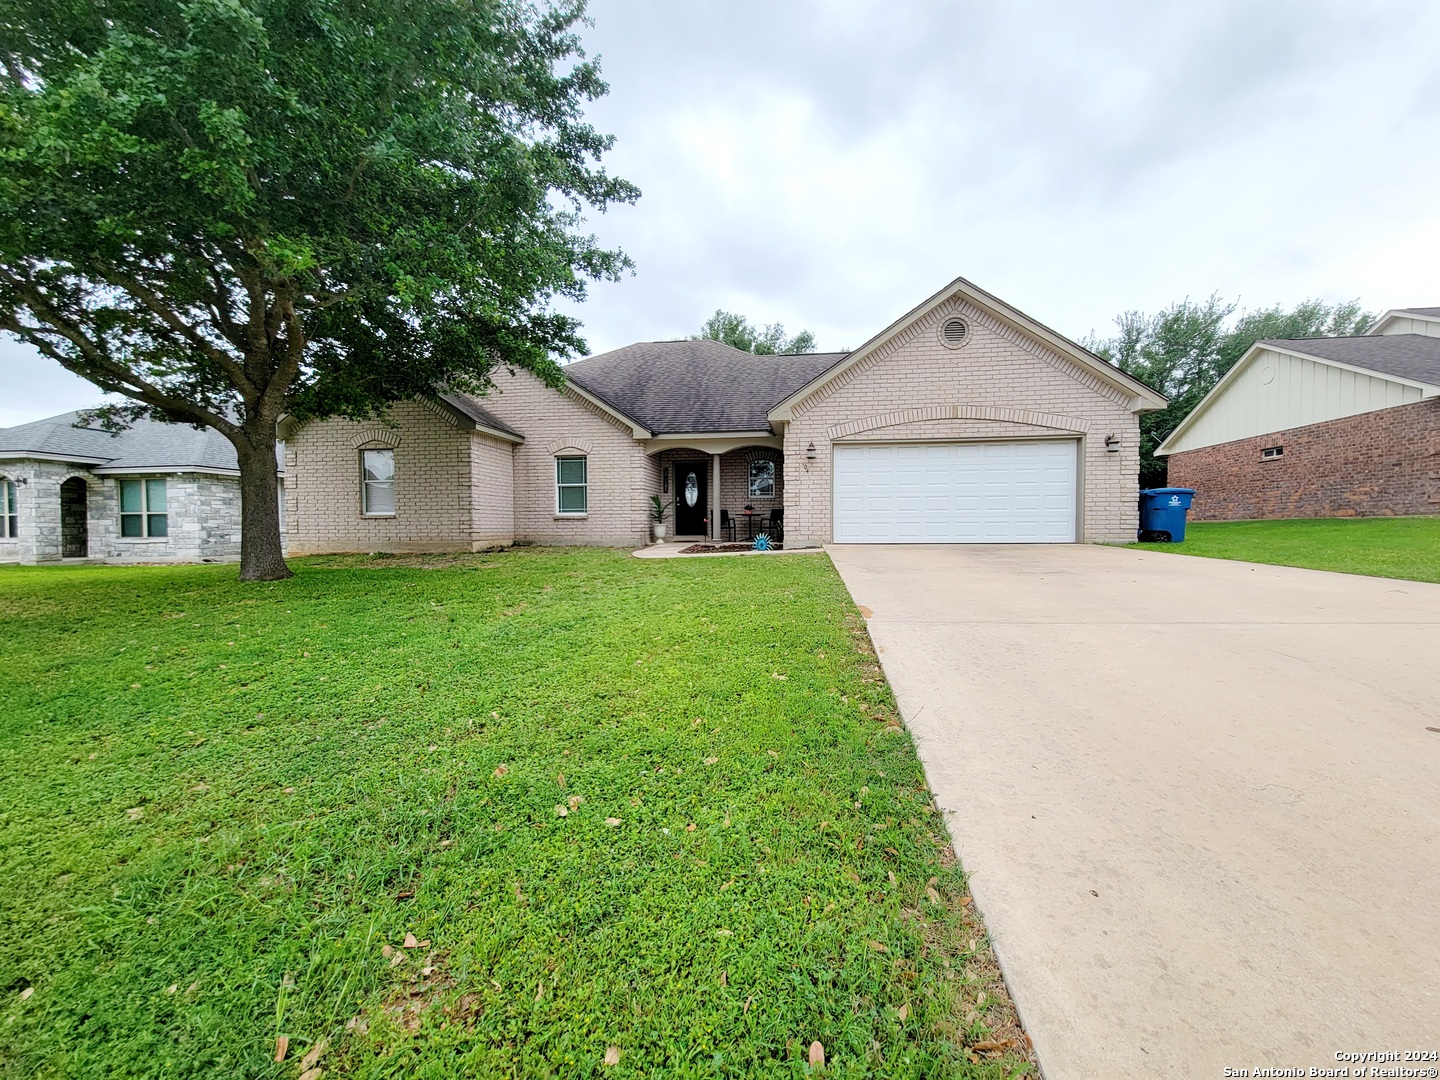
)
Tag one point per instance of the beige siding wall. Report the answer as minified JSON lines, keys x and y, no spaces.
{"x":621,"y":477}
{"x":1002,"y":385}
{"x":1276,"y":391}
{"x":437,"y":507}
{"x":1402,"y":325}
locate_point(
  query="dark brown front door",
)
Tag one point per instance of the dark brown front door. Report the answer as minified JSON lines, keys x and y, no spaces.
{"x":690,"y":502}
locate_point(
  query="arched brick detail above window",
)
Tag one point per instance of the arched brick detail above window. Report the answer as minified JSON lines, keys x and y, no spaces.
{"x":376,"y":436}
{"x":569,"y":446}
{"x":959,"y":412}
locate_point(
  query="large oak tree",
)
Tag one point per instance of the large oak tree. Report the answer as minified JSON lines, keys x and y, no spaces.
{"x":231,"y":210}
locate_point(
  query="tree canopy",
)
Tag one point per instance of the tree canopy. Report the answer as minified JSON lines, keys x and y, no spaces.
{"x":231,"y":210}
{"x":1185,"y":349}
{"x":740,"y":333}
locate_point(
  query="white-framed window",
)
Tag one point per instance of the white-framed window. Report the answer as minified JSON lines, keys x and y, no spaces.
{"x":9,"y":511}
{"x":377,"y":476}
{"x":762,"y":479}
{"x":1272,"y":452}
{"x":572,"y":485}
{"x":143,"y":508}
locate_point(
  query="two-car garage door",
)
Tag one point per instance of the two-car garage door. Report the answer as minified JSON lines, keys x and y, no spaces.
{"x":956,"y":493}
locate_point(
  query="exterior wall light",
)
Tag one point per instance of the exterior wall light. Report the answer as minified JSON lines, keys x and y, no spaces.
{"x":810,"y":451}
{"x":1112,"y":444}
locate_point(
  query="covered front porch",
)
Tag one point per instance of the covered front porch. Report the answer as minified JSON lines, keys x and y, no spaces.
{"x":721,"y":489}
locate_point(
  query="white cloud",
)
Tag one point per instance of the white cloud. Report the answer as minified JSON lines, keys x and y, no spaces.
{"x":829,"y":163}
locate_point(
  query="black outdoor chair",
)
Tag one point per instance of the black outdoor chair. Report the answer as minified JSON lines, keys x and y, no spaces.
{"x":727,"y":524}
{"x":775,"y":525}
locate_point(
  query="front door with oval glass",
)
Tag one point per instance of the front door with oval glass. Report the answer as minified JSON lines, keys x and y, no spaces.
{"x":691,"y":505}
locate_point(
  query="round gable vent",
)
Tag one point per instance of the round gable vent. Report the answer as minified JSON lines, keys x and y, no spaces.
{"x":954,"y":333}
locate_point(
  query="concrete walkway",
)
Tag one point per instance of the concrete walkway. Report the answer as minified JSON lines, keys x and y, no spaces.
{"x":1198,"y":799}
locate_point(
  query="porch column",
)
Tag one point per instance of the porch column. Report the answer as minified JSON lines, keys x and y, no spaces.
{"x":715,"y":497}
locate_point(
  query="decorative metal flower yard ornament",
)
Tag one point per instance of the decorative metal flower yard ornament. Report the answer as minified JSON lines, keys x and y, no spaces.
{"x":762,"y":542}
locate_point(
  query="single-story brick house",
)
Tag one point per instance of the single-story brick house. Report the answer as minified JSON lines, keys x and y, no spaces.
{"x":963,"y":421}
{"x":155,"y":492}
{"x":1319,"y":427}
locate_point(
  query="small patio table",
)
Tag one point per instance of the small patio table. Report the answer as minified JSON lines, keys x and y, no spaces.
{"x":750,"y":516}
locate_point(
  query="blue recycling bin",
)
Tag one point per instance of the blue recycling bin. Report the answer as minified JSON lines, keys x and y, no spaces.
{"x":1162,"y":514}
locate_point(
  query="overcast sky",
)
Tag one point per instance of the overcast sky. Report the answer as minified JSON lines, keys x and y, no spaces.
{"x":830,"y":163}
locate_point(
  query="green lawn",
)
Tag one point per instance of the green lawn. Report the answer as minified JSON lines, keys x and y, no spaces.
{"x":224,"y":807}
{"x":1406,"y":547}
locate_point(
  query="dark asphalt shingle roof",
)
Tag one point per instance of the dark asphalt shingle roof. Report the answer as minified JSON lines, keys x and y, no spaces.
{"x":672,"y":387}
{"x":1409,"y":356}
{"x":146,"y":444}
{"x":477,"y":412}
{"x":1433,"y":312}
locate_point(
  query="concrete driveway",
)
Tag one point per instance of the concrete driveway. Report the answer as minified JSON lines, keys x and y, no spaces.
{"x":1198,"y":799}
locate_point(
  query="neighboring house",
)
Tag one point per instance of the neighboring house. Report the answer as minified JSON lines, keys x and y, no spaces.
{"x":153,"y":493}
{"x":963,"y":422}
{"x":1319,"y":427}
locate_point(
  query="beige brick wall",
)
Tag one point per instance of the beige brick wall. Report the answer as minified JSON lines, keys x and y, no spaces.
{"x":452,"y":487}
{"x":1002,"y":384}
{"x":621,"y":477}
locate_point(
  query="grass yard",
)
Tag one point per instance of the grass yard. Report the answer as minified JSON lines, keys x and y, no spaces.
{"x":1406,"y":547}
{"x":663,"y":807}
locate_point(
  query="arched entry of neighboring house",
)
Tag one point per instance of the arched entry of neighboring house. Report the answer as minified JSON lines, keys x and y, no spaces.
{"x":74,"y":519}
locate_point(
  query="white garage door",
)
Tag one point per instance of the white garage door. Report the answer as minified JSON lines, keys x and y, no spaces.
{"x":956,"y":493}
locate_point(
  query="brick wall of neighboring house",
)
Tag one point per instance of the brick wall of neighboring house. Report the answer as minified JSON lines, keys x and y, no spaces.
{"x":202,"y":512}
{"x":1385,"y":462}
{"x":555,"y":423}
{"x":435,"y":500}
{"x":1001,"y":385}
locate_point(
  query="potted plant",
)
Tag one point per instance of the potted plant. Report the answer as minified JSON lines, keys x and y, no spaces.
{"x":658,"y":509}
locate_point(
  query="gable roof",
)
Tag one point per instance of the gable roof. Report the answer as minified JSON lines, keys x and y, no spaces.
{"x":681,"y":387}
{"x":1426,"y":314}
{"x":1143,"y":398}
{"x":146,"y":446}
{"x":483,"y":419}
{"x":1411,"y":358}
{"x":1406,"y":356}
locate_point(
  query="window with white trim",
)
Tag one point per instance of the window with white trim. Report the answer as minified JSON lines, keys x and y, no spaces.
{"x":377,"y":476}
{"x":1272,"y":452}
{"x":762,"y":479}
{"x":144,"y":509}
{"x":572,"y":485}
{"x":9,"y":511}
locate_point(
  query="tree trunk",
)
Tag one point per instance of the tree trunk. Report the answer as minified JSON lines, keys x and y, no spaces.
{"x":261,"y":558}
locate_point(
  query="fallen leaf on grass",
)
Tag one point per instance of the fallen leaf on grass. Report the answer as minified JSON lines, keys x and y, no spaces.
{"x":312,"y":1074}
{"x":308,"y":1061}
{"x":879,"y":946}
{"x":724,"y":979}
{"x":575,"y":801}
{"x":932,"y":894}
{"x":501,"y":770}
{"x":411,"y":941}
{"x":690,"y":827}
{"x":993,"y":1047}
{"x":612,"y":821}
{"x":539,"y":991}
{"x":905,"y":1012}
{"x":817,"y":1055}
{"x":561,"y":811}
{"x":357,"y":1024}
{"x":397,"y":959}
{"x":612,"y":1055}
{"x":748,"y":1002}
{"x":24,"y":994}
{"x":560,"y":779}
{"x":172,"y":988}
{"x":777,"y":675}
{"x":711,"y":760}
{"x":865,"y":611}
{"x":386,"y":950}
{"x":282,"y":1047}
{"x":135,"y":813}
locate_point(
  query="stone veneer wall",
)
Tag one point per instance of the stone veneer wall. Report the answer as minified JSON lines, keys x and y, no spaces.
{"x":203,"y":511}
{"x":558,"y":423}
{"x":1380,"y":463}
{"x":1001,"y":384}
